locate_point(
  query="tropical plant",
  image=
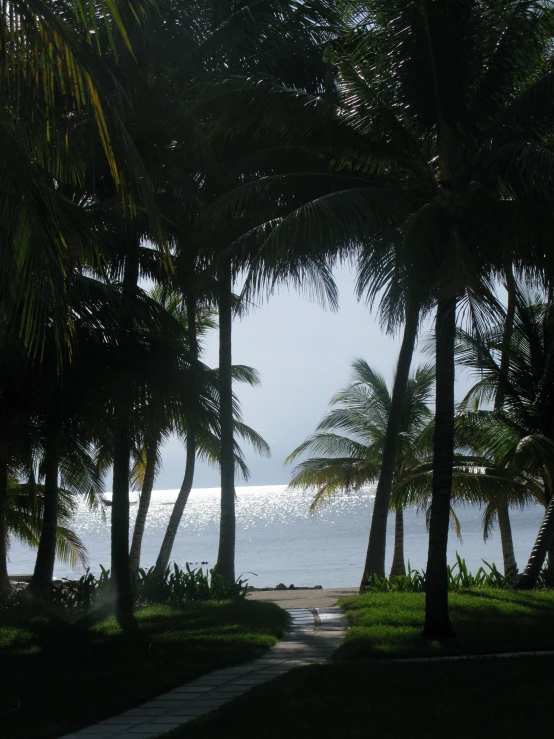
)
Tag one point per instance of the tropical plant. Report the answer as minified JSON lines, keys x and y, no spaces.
{"x":197,"y":424}
{"x":448,"y":107}
{"x":24,"y":519}
{"x":351,"y":438}
{"x":459,"y":577}
{"x":520,"y":434}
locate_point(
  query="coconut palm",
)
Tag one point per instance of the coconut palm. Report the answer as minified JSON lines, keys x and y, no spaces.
{"x":275,"y":34}
{"x":483,"y":472}
{"x":443,"y":103}
{"x":521,"y":434}
{"x":351,"y":438}
{"x":24,"y":518}
{"x":199,"y":427}
{"x":53,"y":82}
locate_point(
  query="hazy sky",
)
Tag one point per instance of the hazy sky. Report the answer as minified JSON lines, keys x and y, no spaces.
{"x":303,"y":354}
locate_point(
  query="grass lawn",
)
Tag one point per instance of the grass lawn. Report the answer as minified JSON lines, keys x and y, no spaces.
{"x":55,"y":679}
{"x":485,"y":620}
{"x":492,"y":699}
{"x":364,"y":694}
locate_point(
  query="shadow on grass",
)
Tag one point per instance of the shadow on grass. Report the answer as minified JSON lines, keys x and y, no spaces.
{"x":502,"y":699}
{"x":56,"y":678}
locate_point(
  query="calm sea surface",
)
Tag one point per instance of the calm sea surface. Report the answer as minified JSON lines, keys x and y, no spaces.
{"x":281,"y":541}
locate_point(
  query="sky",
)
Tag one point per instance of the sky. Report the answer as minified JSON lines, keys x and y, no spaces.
{"x":303,"y":354}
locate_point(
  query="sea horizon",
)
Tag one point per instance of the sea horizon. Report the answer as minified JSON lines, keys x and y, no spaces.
{"x":280,"y":541}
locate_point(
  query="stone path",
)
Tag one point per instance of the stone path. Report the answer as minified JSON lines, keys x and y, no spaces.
{"x":313,"y":636}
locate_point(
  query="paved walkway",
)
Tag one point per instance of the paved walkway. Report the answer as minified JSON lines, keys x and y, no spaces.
{"x":313,"y":636}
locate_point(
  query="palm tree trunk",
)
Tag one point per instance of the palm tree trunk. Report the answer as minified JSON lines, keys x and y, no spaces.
{"x":144,"y":505}
{"x":506,"y":339}
{"x":186,"y":486}
{"x":398,"y":568}
{"x":226,"y":554}
{"x":508,"y":554}
{"x":375,"y":558}
{"x":5,"y":586}
{"x":41,"y":581}
{"x":543,"y":545}
{"x":120,"y":565}
{"x":179,"y":507}
{"x":437,"y":621}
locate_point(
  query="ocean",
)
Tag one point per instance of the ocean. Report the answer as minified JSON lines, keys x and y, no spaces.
{"x":279,"y":540}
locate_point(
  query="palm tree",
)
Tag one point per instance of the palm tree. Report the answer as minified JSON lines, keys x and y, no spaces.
{"x":439,"y":105}
{"x":197,"y":423}
{"x":24,"y":518}
{"x":68,"y":469}
{"x":351,"y":438}
{"x":53,"y":81}
{"x":503,"y":514}
{"x":521,"y":434}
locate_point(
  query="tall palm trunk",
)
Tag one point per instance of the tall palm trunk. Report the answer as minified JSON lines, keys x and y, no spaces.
{"x":41,"y":581}
{"x":398,"y":567}
{"x":144,"y":505}
{"x":226,"y":553}
{"x":375,"y":558}
{"x":437,"y":621}
{"x":120,"y":565}
{"x":5,"y":587}
{"x":508,"y":553}
{"x":186,"y":486}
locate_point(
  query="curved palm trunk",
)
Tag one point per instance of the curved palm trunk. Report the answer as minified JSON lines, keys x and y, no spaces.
{"x":550,"y":563}
{"x":543,"y":546}
{"x":375,"y":558}
{"x":437,"y":621}
{"x":120,"y":565}
{"x":179,"y":507}
{"x":144,"y":505}
{"x":398,"y":567}
{"x":226,"y":554}
{"x":5,"y":587}
{"x":186,"y":486}
{"x":41,"y":581}
{"x":508,"y":553}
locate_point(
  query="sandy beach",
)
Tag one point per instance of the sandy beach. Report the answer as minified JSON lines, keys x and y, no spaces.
{"x":324,"y":598}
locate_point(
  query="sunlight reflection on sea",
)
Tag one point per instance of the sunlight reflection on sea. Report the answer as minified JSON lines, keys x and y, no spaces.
{"x":280,"y":540}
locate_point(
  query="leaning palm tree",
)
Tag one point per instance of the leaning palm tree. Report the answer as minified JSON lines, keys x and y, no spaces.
{"x":198,"y":426}
{"x":350,"y":439}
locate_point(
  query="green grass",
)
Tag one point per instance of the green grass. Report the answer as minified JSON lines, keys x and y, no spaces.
{"x":361,"y":696}
{"x":485,"y":620}
{"x":55,"y":678}
{"x":500,"y":699}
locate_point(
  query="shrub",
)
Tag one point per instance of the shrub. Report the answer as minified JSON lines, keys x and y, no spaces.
{"x":459,"y":578}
